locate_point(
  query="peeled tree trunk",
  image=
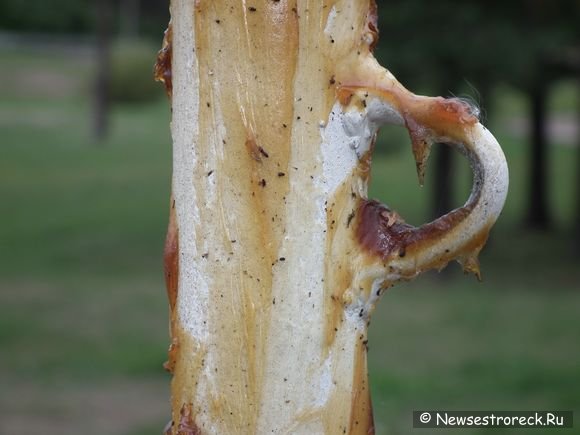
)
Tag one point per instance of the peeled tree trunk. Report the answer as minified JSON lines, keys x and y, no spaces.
{"x":275,"y":258}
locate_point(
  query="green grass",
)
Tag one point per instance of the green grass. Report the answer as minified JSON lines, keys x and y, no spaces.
{"x":81,"y":290}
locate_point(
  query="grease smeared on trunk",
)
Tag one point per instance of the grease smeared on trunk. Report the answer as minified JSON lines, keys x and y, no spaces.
{"x":283,"y":255}
{"x":162,"y":70}
{"x":371,"y":35}
{"x":187,"y":424}
{"x":171,"y":266}
{"x":191,"y":360}
{"x":428,"y":119}
{"x":171,"y":257}
{"x":361,"y":422}
{"x":384,"y":233}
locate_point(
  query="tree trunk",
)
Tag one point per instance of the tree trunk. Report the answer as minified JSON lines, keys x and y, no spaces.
{"x":275,"y":258}
{"x":443,"y":172}
{"x":538,"y":209}
{"x":577,"y":226}
{"x":103,"y":64}
{"x":443,"y":181}
{"x":129,"y":14}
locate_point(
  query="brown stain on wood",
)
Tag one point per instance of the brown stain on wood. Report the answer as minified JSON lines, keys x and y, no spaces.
{"x":338,"y":277}
{"x":361,"y":419}
{"x":171,"y":257}
{"x":171,"y":268}
{"x":172,"y":355}
{"x":191,"y":359}
{"x":186,"y":425}
{"x":253,"y":148}
{"x":383,"y":233}
{"x":162,"y":70}
{"x":372,"y":28}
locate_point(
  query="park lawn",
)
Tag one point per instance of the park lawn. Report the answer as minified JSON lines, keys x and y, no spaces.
{"x":82,"y":303}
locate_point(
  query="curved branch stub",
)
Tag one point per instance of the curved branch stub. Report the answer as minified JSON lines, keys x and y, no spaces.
{"x":404,"y":250}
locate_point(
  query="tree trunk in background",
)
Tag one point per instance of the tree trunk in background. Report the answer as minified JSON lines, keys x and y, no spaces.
{"x":274,"y":256}
{"x":443,"y":173}
{"x":538,"y":208}
{"x":129,"y":18}
{"x":103,"y":16}
{"x":444,"y":169}
{"x":577,"y":226}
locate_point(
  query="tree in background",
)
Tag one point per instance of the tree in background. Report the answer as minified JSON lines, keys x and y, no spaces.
{"x":103,"y":19}
{"x":60,"y":16}
{"x":129,"y":12}
{"x":538,"y":215}
{"x":544,"y":30}
{"x":436,"y":50}
{"x":577,"y":222}
{"x":73,"y":17}
{"x":439,"y":50}
{"x":483,"y":43}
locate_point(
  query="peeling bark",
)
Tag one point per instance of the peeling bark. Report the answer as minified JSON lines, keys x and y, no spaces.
{"x":275,"y":257}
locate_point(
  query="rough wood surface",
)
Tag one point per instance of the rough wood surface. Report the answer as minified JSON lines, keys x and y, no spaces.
{"x":275,"y":258}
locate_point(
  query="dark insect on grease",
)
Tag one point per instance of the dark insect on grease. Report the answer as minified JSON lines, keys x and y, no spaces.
{"x":263,"y":152}
{"x":350,"y":218}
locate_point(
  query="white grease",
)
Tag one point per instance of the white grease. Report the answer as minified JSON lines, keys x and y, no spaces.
{"x":193,"y":288}
{"x":347,"y":137}
{"x":330,"y":21}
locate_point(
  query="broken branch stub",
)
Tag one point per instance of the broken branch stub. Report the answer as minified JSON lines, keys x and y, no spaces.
{"x":275,"y":257}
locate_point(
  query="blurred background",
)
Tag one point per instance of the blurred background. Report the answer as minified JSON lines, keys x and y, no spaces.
{"x":85,"y":163}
